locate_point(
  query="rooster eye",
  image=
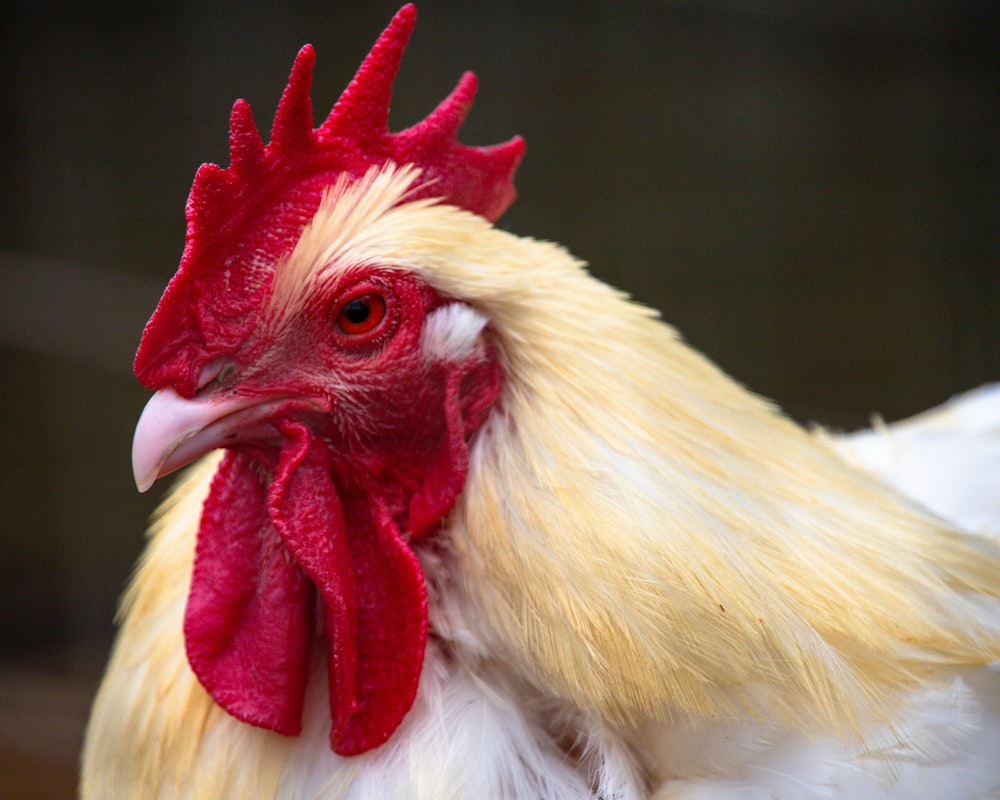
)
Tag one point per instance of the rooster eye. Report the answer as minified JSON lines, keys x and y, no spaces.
{"x":361,"y":314}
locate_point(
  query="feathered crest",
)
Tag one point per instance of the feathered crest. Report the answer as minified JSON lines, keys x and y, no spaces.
{"x":243,"y":218}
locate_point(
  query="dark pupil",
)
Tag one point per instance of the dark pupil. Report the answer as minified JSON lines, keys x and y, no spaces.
{"x":357,"y":311}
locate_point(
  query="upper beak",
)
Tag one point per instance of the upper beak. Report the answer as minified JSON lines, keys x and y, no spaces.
{"x":173,"y":431}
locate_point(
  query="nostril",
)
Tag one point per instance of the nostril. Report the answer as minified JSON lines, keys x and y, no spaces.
{"x":218,"y":371}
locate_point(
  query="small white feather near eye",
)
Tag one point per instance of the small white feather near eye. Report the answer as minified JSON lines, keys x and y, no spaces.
{"x":451,"y":332}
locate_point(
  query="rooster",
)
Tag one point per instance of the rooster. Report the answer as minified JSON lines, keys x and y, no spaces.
{"x":479,"y":526}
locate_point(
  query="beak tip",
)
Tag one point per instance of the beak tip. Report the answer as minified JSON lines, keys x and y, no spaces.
{"x":173,"y":431}
{"x":157,"y":434}
{"x":144,"y":475}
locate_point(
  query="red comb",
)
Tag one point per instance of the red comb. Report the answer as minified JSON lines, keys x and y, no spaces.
{"x":242,"y":219}
{"x":356,"y":136}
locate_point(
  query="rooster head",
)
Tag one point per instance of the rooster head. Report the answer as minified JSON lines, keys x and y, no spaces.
{"x":344,"y":389}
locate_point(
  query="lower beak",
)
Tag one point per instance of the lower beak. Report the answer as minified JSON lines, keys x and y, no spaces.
{"x":174,"y":431}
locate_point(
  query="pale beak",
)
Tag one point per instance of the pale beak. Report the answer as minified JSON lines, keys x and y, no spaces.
{"x":173,"y":431}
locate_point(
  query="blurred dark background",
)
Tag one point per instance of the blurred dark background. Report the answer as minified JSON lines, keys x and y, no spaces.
{"x":810,"y":192}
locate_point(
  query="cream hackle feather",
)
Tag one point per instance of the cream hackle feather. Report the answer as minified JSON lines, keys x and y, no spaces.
{"x":638,"y":533}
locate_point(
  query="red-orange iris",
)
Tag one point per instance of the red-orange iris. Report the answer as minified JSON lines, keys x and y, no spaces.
{"x":361,"y":314}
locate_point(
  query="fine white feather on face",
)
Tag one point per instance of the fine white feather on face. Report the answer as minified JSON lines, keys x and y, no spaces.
{"x":451,"y":332}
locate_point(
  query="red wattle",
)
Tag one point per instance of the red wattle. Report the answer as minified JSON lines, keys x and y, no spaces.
{"x":250,"y":616}
{"x":392,"y":613}
{"x":306,"y":511}
{"x":371,"y":586}
{"x":249,"y":620}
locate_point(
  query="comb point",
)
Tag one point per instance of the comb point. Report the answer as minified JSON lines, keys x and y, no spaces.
{"x":445,"y":120}
{"x":246,"y":149}
{"x":363,"y":109}
{"x":293,"y":121}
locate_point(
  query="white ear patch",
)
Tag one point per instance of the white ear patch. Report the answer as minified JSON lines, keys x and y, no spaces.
{"x":451,"y":332}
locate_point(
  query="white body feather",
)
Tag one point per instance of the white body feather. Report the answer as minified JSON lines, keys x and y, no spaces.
{"x":948,"y":459}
